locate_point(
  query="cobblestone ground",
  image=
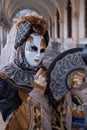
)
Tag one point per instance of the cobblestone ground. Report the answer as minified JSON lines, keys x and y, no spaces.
{"x":48,"y":58}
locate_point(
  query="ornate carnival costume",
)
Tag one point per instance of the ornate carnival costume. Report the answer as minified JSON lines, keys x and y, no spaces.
{"x":16,"y":78}
{"x":66,"y":74}
{"x":29,"y":108}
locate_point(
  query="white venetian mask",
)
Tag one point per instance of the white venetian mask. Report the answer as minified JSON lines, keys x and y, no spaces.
{"x":35,"y":49}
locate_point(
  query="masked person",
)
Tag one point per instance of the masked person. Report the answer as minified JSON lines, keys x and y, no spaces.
{"x":30,"y":40}
{"x":23,"y":81}
{"x":34,"y":113}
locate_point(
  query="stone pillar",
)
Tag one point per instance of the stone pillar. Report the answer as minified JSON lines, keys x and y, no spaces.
{"x":49,"y":32}
{"x":5,"y":32}
{"x":4,"y":37}
{"x":53,"y":31}
{"x":55,"y":26}
{"x":75,"y":27}
{"x":62,"y":34}
{"x":49,"y":26}
{"x":1,"y":38}
{"x":81,"y":20}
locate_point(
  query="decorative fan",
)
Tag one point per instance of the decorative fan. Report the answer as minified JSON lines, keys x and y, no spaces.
{"x":61,"y":71}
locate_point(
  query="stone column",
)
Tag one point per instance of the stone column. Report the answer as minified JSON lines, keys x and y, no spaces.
{"x":4,"y":36}
{"x":62,"y":34}
{"x":55,"y":26}
{"x":75,"y":27}
{"x":49,"y":26}
{"x":1,"y":38}
{"x":53,"y":31}
{"x":49,"y":32}
{"x":81,"y":20}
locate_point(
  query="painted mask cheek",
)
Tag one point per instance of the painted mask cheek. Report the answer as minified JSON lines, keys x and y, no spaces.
{"x":30,"y":58}
{"x":43,"y":44}
{"x":28,"y":46}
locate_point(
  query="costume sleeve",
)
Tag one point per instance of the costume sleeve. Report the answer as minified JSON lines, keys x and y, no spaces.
{"x":33,"y":114}
{"x":9,"y":99}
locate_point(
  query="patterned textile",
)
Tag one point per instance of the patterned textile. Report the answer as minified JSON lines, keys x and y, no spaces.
{"x":23,"y":78}
{"x":30,"y":24}
{"x":60,"y":91}
{"x":56,"y":121}
{"x":33,"y":114}
{"x":78,"y":115}
{"x":23,"y":32}
{"x":59,"y":70}
{"x":63,"y":109}
{"x":73,"y":119}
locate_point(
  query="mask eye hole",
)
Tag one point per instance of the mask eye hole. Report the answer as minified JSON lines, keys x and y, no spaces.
{"x":31,"y":48}
{"x":34,"y":48}
{"x":42,"y":50}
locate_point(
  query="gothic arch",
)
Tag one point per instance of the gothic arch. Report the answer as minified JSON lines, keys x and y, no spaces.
{"x":55,"y":2}
{"x":73,"y":5}
{"x":24,"y":7}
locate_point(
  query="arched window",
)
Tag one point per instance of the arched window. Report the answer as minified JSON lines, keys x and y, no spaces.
{"x":69,"y":18}
{"x":58,"y":24}
{"x":50,"y":27}
{"x":85,"y":18}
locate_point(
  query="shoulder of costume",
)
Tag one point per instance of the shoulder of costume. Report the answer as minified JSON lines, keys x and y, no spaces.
{"x":3,"y":75}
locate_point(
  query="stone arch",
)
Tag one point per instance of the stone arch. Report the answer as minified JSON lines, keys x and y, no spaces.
{"x":72,"y":3}
{"x":25,"y":7}
{"x":43,"y":10}
{"x":57,"y":7}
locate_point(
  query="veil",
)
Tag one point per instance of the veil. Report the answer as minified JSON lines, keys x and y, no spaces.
{"x":8,"y":51}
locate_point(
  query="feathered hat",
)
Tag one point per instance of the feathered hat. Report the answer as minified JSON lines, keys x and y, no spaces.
{"x":30,"y":24}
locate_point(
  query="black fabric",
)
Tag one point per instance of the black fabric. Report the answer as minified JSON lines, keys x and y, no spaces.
{"x":9,"y":98}
{"x":17,"y":78}
{"x":84,"y":54}
{"x":74,"y":99}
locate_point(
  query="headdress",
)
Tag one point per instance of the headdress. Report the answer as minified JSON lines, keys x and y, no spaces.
{"x":25,"y":25}
{"x":30,"y":24}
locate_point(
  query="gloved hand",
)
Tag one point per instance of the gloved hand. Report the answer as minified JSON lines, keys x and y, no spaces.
{"x":40,"y":80}
{"x":78,"y":80}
